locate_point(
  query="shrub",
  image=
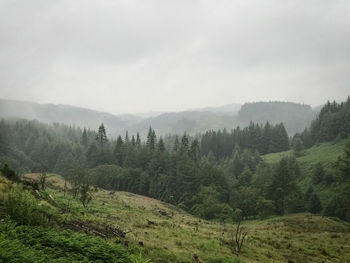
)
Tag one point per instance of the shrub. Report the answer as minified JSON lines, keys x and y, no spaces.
{"x":21,"y":206}
{"x":40,"y":244}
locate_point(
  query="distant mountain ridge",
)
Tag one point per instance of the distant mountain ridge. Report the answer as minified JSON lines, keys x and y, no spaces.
{"x":295,"y":117}
{"x":228,"y":108}
{"x":63,"y":114}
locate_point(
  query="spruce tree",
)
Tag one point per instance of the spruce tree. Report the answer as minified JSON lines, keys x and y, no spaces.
{"x":194,"y":150}
{"x":151,"y":139}
{"x":176,"y":144}
{"x":236,"y":165}
{"x":138,"y":141}
{"x":283,"y":184}
{"x":161,"y":146}
{"x":184,"y":147}
{"x":119,"y":151}
{"x":101,"y":137}
{"x":127,"y":140}
{"x":84,"y":138}
{"x":298,"y":147}
{"x":246,"y":177}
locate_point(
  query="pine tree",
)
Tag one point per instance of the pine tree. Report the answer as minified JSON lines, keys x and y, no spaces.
{"x":161,"y":146}
{"x":127,"y":140}
{"x":151,"y":139}
{"x":283,"y":184}
{"x":101,"y":137}
{"x":133,"y":141}
{"x":184,"y":147}
{"x":246,"y":177}
{"x":267,"y":133}
{"x":236,"y":166}
{"x":84,"y":139}
{"x":176,"y":144}
{"x":138,"y":141}
{"x":119,"y":151}
{"x":194,"y":150}
{"x":85,"y":189}
{"x":298,"y":147}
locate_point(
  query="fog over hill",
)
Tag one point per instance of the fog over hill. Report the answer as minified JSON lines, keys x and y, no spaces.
{"x":295,"y":117}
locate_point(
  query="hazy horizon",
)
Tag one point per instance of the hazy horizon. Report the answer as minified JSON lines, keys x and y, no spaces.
{"x":163,"y":56}
{"x":155,"y":112}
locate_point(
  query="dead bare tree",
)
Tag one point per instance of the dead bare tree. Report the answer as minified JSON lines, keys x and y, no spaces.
{"x":238,"y":238}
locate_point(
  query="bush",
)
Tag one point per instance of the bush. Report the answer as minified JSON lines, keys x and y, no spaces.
{"x":21,"y":206}
{"x":339,"y":206}
{"x":265,"y":208}
{"x":40,"y":244}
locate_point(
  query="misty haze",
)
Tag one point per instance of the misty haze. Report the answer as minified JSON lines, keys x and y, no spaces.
{"x":174,"y":131}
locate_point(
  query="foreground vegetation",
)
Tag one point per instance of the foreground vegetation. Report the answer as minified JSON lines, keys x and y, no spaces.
{"x":162,"y":233}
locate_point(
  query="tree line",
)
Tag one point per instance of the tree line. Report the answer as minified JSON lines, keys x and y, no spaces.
{"x":222,"y":175}
{"x":332,"y":123}
{"x":262,"y":138}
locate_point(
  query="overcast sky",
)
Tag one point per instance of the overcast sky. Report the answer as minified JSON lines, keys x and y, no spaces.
{"x":165,"y":55}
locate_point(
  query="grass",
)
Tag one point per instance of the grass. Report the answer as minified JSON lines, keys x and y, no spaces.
{"x":174,"y":236}
{"x":324,"y":153}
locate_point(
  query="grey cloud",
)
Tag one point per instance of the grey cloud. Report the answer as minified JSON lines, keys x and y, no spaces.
{"x":132,"y":56}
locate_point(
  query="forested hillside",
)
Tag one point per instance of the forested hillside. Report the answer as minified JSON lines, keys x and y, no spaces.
{"x":219,"y":175}
{"x":203,"y":176}
{"x":65,"y":114}
{"x":296,"y":117}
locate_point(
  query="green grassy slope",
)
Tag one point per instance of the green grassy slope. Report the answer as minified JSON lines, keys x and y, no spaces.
{"x":325,"y":153}
{"x":171,"y":235}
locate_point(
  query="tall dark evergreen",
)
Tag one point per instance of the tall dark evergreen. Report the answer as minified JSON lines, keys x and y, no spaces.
{"x":264,"y":139}
{"x":333,"y":122}
{"x":283,"y":185}
{"x":119,"y":151}
{"x":101,"y":137}
{"x":84,"y":138}
{"x":195,"y":150}
{"x":176,"y":144}
{"x":184,"y":146}
{"x":151,"y":139}
{"x":161,"y":146}
{"x":138,"y":141}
